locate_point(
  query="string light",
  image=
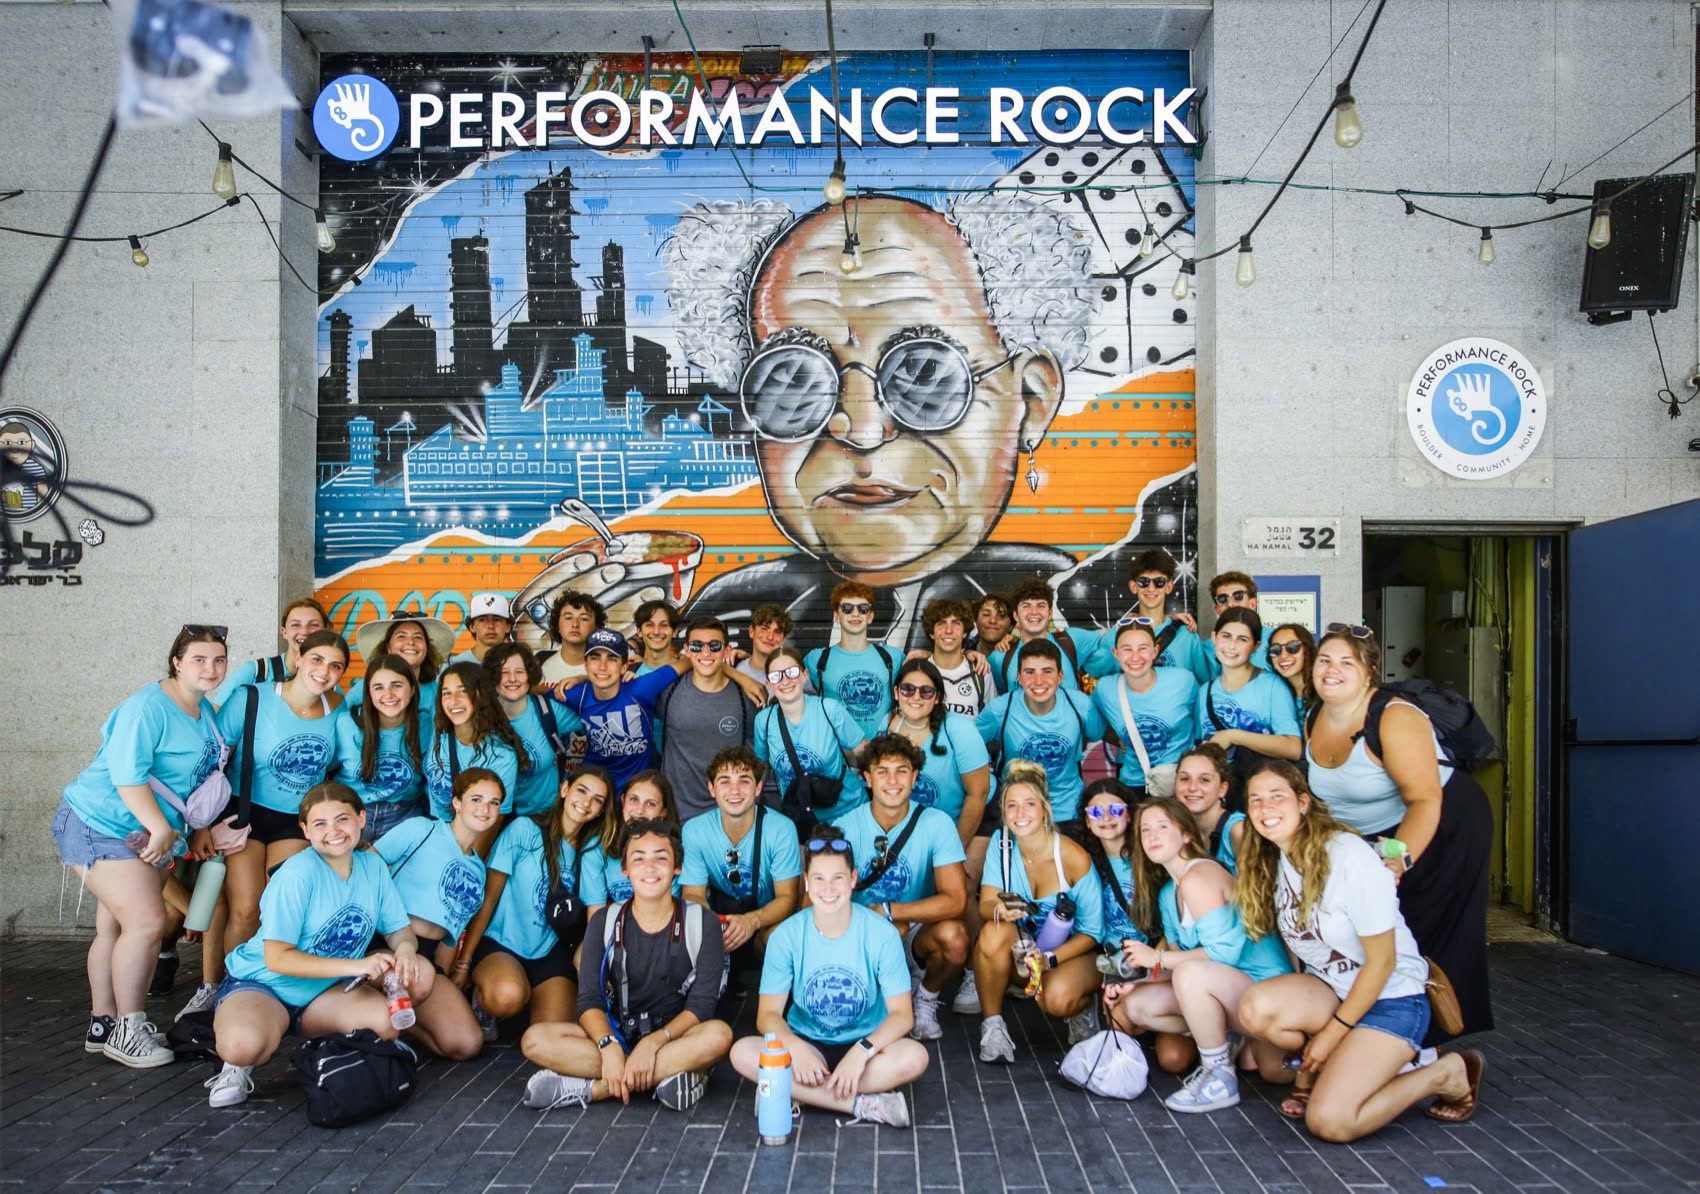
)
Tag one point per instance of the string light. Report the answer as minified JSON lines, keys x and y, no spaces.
{"x":322,"y":232}
{"x":834,"y":189}
{"x":1245,"y":271}
{"x":1148,"y":242}
{"x":1486,"y":254}
{"x":138,"y":254}
{"x":1182,"y":289}
{"x":224,"y":173}
{"x":1599,"y":232}
{"x":850,"y":260}
{"x":1348,"y":129}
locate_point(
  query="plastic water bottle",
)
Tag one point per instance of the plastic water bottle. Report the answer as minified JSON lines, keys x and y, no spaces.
{"x":138,"y":841}
{"x":402,"y":1015}
{"x":773,"y":1092}
{"x":1058,"y":926}
{"x":207,"y":886}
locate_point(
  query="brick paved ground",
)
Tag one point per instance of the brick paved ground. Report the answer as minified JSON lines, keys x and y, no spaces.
{"x":1589,"y":1085}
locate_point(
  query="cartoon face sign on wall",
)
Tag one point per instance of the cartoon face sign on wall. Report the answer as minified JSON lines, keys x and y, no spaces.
{"x":964,"y":376}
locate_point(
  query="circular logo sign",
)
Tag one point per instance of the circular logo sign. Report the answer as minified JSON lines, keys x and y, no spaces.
{"x":32,"y":464}
{"x":1476,"y":408}
{"x":356,"y":117}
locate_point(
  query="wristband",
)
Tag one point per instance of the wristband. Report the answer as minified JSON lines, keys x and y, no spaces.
{"x":1342,"y":1023}
{"x":868,"y":1045}
{"x":1158,"y":968}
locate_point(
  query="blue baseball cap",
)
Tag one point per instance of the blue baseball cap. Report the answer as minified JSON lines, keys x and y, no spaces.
{"x":611,"y":641}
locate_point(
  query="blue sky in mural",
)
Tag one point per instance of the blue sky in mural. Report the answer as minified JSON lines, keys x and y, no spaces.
{"x":634,"y":200}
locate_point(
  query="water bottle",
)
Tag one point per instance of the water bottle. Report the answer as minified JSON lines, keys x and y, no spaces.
{"x":1058,"y":926}
{"x":402,"y":1015}
{"x":138,"y":841}
{"x":205,"y":898}
{"x":773,"y":1092}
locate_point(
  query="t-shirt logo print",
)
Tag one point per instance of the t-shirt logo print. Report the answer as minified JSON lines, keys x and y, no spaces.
{"x":1154,"y":733}
{"x":205,"y":764}
{"x":861,"y":693}
{"x":618,"y":734}
{"x":344,"y":935}
{"x":925,"y":792}
{"x":894,"y":882}
{"x":1050,"y":751}
{"x":299,"y":762}
{"x":391,"y":775}
{"x":835,"y":997}
{"x":461,"y":888}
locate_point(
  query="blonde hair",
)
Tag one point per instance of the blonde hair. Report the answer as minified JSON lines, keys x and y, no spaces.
{"x":1260,"y":859}
{"x":1149,"y":877}
{"x":1025,"y":771}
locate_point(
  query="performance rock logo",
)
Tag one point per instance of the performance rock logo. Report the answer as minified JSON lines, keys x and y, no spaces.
{"x":1476,"y":408}
{"x":344,"y":935}
{"x":356,"y":117}
{"x":462,"y":889}
{"x":299,"y":762}
{"x":835,"y":997}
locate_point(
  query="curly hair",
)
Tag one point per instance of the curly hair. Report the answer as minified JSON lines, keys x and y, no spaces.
{"x":488,"y":717}
{"x":1260,"y":858}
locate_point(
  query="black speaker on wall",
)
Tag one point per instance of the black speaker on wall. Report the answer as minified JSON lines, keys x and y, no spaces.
{"x":1641,"y":269}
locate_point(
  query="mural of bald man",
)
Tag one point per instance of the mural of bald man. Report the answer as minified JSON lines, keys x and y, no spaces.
{"x":892,"y":406}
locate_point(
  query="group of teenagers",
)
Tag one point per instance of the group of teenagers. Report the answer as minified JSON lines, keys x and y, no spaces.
{"x":1235,"y":842}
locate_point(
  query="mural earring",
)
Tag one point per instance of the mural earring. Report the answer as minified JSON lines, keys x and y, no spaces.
{"x":1030,"y":447}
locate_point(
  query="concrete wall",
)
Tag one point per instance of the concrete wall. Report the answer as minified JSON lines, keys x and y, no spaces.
{"x":1303,"y":375}
{"x":188,"y":383}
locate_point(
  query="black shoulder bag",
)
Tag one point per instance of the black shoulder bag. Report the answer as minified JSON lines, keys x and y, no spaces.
{"x":562,"y":908}
{"x":806,"y":792}
{"x":355,"y":1076}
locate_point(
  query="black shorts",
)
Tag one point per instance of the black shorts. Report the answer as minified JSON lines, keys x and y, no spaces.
{"x":427,"y":948}
{"x":833,"y":1054}
{"x":557,"y":963}
{"x":268,"y":825}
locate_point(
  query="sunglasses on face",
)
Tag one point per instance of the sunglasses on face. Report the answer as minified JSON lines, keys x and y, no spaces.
{"x":855,"y":607}
{"x":818,"y":845}
{"x":219,"y":632}
{"x":925,"y":691}
{"x":733,"y":875}
{"x":925,"y":382}
{"x":1293,"y":648}
{"x":1100,"y":812}
{"x":1358,"y":632}
{"x":1151,"y":582}
{"x":784,"y":673}
{"x":1236,"y":595}
{"x":698,"y":647}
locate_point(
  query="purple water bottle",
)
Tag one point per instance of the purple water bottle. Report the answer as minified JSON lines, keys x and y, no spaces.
{"x":1058,"y":926}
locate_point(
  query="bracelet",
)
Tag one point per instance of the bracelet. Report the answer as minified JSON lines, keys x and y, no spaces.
{"x":669,"y":1033}
{"x":1158,"y":968}
{"x":1342,"y":1023}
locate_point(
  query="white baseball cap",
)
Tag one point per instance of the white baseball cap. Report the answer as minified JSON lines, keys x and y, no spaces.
{"x":492,"y":605}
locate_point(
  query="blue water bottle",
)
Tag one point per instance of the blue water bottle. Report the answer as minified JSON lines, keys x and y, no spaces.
{"x":773,"y":1092}
{"x":1058,"y":926}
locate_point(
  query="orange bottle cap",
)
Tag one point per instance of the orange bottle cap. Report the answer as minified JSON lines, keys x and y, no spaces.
{"x":774,"y":1054}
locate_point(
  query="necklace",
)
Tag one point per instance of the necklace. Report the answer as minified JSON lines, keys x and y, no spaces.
{"x":913,"y":726}
{"x":302,"y":710}
{"x":1331,"y":758}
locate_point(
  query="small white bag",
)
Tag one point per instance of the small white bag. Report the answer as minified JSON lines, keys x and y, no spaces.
{"x":1108,"y":1063}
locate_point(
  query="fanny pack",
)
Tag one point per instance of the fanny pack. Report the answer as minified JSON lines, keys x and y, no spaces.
{"x":208,"y":800}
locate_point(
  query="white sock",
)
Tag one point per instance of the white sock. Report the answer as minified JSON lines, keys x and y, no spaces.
{"x":992,"y":1020}
{"x":1216,"y":1059}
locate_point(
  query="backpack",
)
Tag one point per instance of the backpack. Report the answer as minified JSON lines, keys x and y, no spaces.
{"x":885,"y":658}
{"x":191,"y":1037}
{"x":615,"y":992}
{"x":1002,"y":747}
{"x":269,"y":669}
{"x":355,"y":1076}
{"x":1465,"y":739}
{"x":1065,"y":644}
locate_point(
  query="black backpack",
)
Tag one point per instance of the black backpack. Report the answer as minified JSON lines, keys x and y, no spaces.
{"x":353,"y":1077}
{"x":1464,"y":737}
{"x":191,"y":1037}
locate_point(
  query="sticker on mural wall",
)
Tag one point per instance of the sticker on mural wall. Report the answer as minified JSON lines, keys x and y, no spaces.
{"x":677,"y":373}
{"x":1476,"y":408}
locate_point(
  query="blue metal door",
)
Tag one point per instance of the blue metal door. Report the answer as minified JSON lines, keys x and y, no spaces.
{"x":1633,"y":736}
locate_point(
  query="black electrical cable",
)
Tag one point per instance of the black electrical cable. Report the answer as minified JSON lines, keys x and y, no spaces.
{"x":105,"y":240}
{"x":1667,"y":396}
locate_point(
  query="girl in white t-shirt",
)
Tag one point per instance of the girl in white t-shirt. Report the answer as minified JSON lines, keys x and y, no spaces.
{"x":1360,"y":1007}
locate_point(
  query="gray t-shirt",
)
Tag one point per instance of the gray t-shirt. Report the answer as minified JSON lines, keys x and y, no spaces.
{"x":695,"y":726}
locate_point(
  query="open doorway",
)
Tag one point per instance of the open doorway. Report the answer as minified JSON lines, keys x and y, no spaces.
{"x":1478,"y":611}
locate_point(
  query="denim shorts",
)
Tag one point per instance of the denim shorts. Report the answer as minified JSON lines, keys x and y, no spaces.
{"x":231,"y":986}
{"x":82,"y":846}
{"x":386,"y":815}
{"x":1405,"y":1017}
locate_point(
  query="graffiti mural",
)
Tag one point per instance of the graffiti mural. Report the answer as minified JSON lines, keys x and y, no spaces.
{"x":676,"y":372}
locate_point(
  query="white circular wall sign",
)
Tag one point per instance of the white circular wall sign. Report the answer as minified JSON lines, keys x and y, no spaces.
{"x":1476,"y":408}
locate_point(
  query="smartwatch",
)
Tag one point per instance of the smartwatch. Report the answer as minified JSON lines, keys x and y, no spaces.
{"x":607,"y":1040}
{"x":1050,"y":960}
{"x":868,"y":1045}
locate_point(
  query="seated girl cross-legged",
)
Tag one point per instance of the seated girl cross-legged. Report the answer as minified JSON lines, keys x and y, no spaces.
{"x":317,"y":915}
{"x":1359,"y":1011}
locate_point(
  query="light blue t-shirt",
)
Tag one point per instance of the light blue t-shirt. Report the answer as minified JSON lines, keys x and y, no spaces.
{"x":1118,"y":925}
{"x":604,"y":878}
{"x":146,"y":735}
{"x":1262,"y":705}
{"x":291,"y":753}
{"x":1221,"y":934}
{"x":940,"y":783}
{"x":707,"y":848}
{"x":394,"y":776}
{"x":1225,"y":845}
{"x":1006,"y":666}
{"x":934,"y":843}
{"x":826,"y":732}
{"x":237,"y":676}
{"x":438,"y":881}
{"x":1056,"y":740}
{"x":492,"y":753}
{"x":306,"y":905}
{"x":859,"y":680}
{"x":838,"y":987}
{"x":1185,"y":650}
{"x":1086,"y":892}
{"x":1166,"y":716}
{"x":520,"y":920}
{"x":539,"y":772}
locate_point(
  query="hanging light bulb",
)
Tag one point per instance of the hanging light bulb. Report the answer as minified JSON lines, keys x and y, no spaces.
{"x":138,"y":254}
{"x":322,"y":231}
{"x":1245,"y":273}
{"x":1148,"y":242}
{"x":1599,"y":232}
{"x":1182,"y":289}
{"x":1485,"y":254}
{"x":850,"y":260}
{"x":834,"y":188}
{"x":224,"y":174}
{"x":1348,"y":129}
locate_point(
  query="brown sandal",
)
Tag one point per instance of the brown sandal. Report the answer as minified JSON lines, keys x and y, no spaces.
{"x":1297,"y":1101}
{"x":1460,"y":1110}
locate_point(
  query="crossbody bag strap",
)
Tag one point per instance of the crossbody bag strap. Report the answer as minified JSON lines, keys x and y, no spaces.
{"x":1137,"y":743}
{"x":454,"y":757}
{"x":790,"y":747}
{"x":551,"y":727}
{"x":430,"y":828}
{"x":245,"y":770}
{"x":878,"y":870}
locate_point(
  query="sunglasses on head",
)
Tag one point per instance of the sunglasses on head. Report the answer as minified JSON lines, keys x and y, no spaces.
{"x":1293,"y":648}
{"x":219,"y":632}
{"x":699,"y":646}
{"x":658,"y":825}
{"x":784,"y":673}
{"x":818,"y":845}
{"x":925,"y":691}
{"x":1150,"y":582}
{"x":1357,"y":632}
{"x":1236,"y":595}
{"x":1135,"y":620}
{"x":1099,"y":812}
{"x":855,"y":607}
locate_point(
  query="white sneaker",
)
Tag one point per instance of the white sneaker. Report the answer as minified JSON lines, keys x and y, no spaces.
{"x":1082,"y":1025}
{"x":547,"y":1090}
{"x":1206,"y":1089}
{"x":682,"y":1091}
{"x":136,"y":1043}
{"x":995,"y":1044}
{"x":890,"y":1109}
{"x":967,"y":1001}
{"x":230,"y":1086}
{"x":200,"y":1001}
{"x":926,"y":1015}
